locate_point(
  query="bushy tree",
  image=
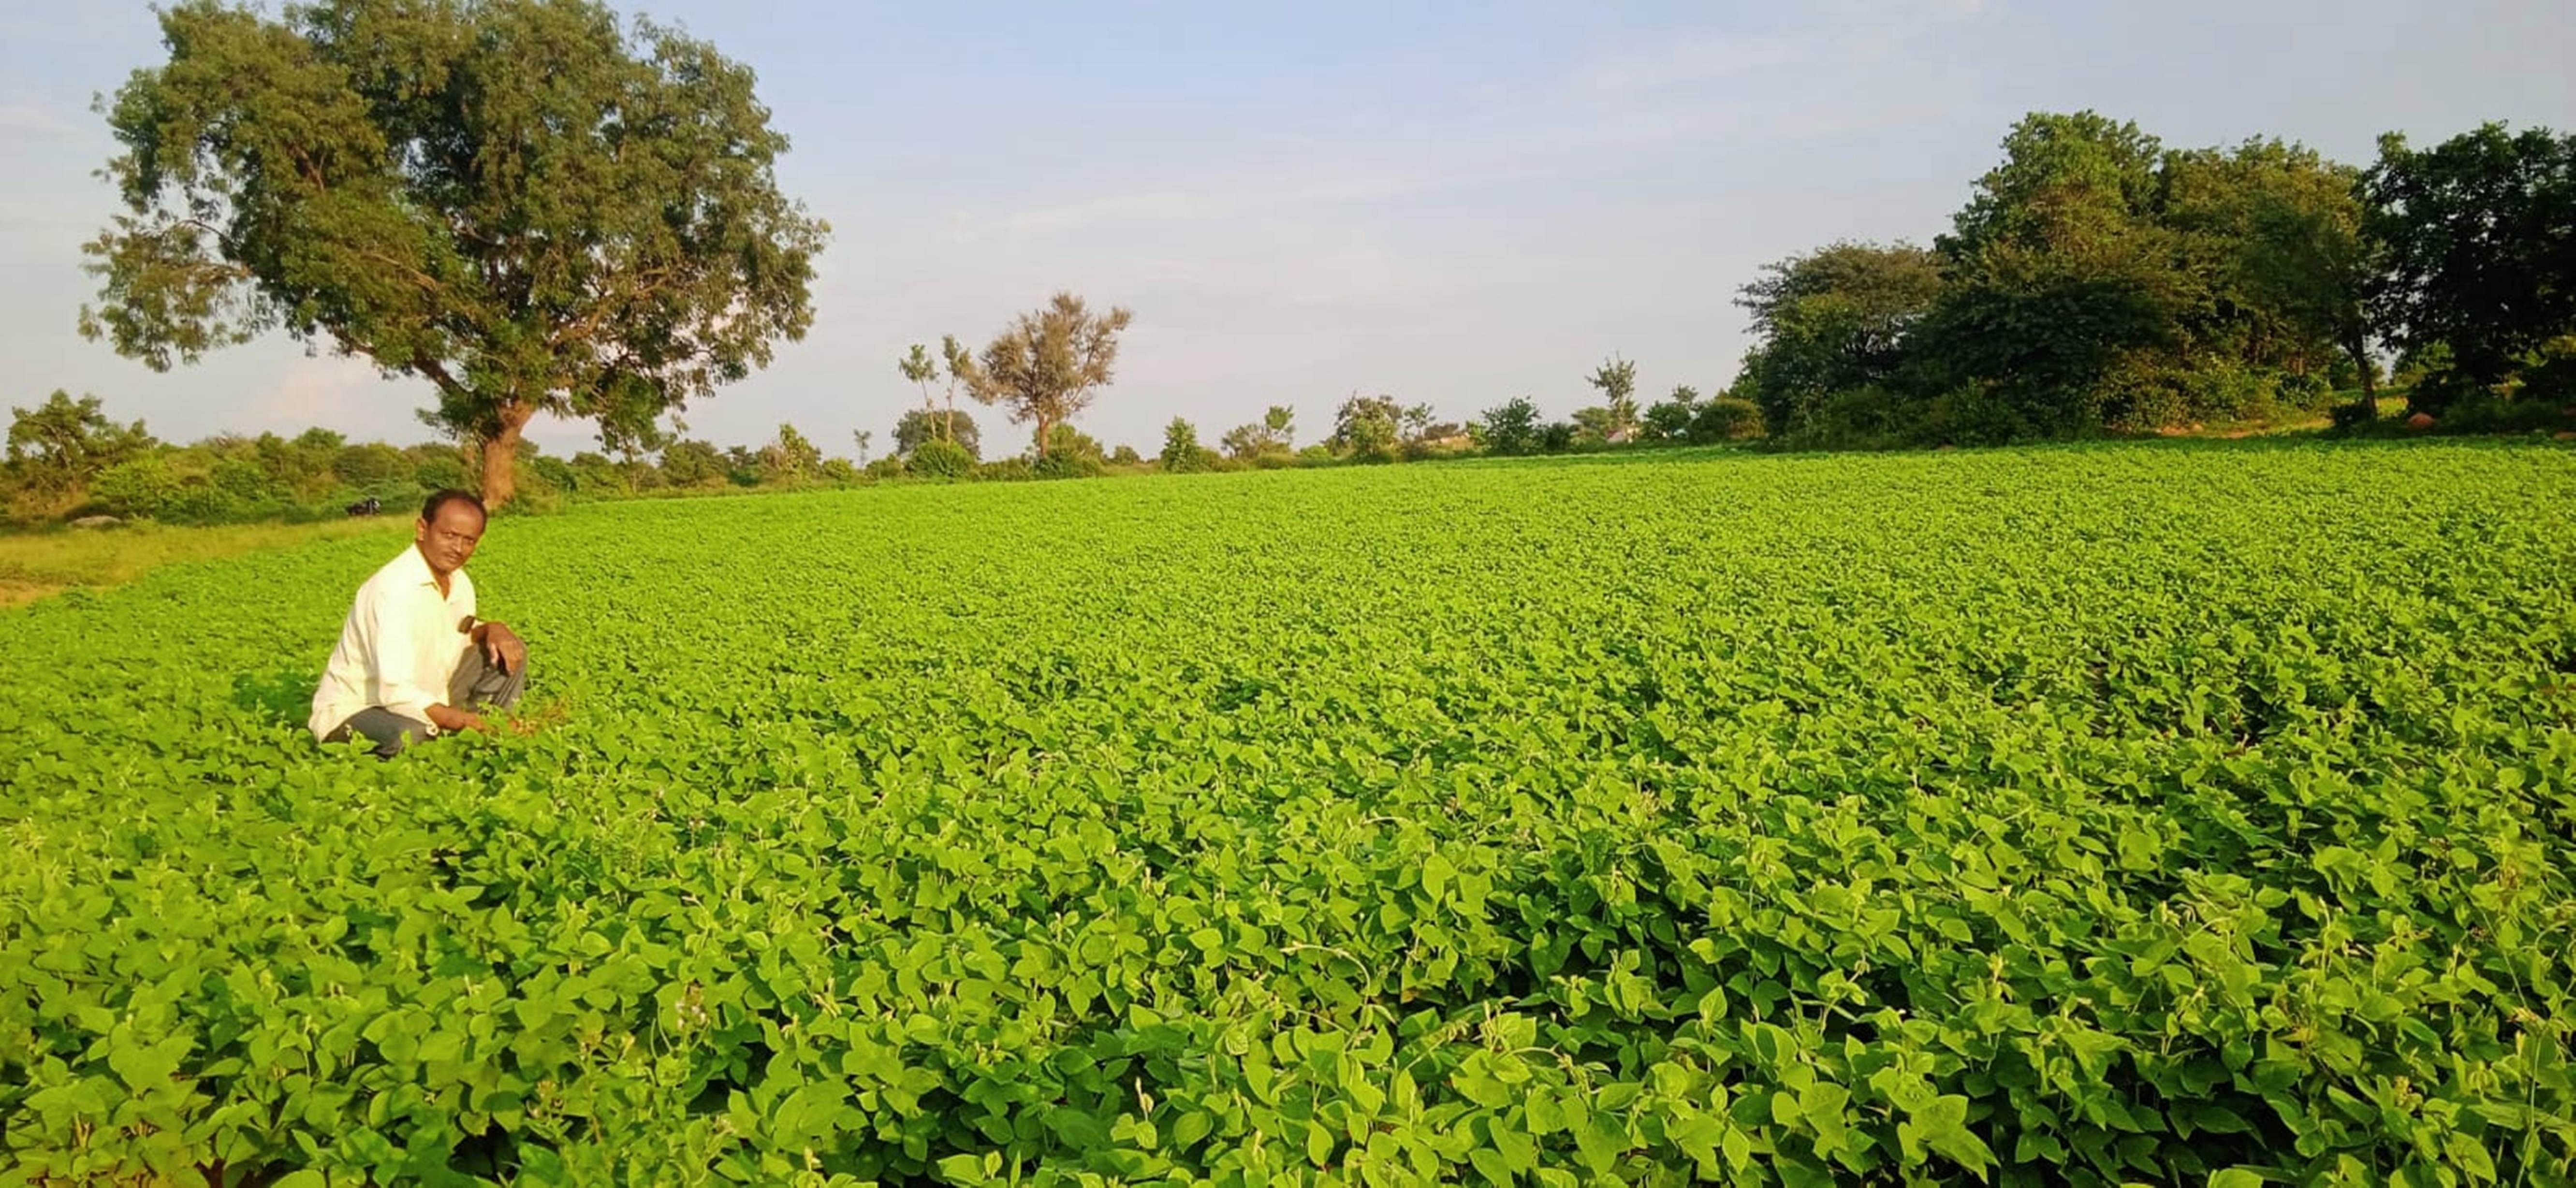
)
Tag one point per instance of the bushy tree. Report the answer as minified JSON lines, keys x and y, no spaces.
{"x":2059,"y":271}
{"x":939,"y":458}
{"x":1267,"y":438}
{"x":1669,"y":419}
{"x":2480,"y":240}
{"x":1727,"y":418}
{"x":595,"y":474}
{"x":1615,"y":418}
{"x":790,"y":457}
{"x":1830,"y":320}
{"x":917,"y":425}
{"x":371,"y":466}
{"x":1367,"y":427}
{"x":62,"y":443}
{"x":526,"y":203}
{"x":1047,"y":365}
{"x":1511,"y":427}
{"x":692,"y":463}
{"x":1182,"y":453}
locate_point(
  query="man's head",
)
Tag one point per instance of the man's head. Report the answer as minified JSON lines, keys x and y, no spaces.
{"x":451,"y":522}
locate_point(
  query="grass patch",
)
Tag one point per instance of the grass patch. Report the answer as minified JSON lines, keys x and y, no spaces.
{"x":36,"y":564}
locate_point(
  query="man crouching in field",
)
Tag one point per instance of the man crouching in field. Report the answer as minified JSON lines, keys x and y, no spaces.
{"x":413,"y":660}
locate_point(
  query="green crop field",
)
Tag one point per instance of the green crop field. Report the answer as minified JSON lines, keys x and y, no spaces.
{"x":2170,"y":814}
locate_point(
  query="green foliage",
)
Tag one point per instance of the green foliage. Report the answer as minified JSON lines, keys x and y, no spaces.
{"x":1832,"y":320}
{"x":790,"y":457}
{"x":1616,"y":417}
{"x":61,"y":444}
{"x":2097,"y":814}
{"x":1067,"y":452}
{"x":1268,"y":441}
{"x":1048,"y":365}
{"x":2480,"y":237}
{"x":531,"y":206}
{"x":939,"y":459}
{"x":2095,"y":281}
{"x":372,"y":467}
{"x":1509,"y":428}
{"x":692,"y":463}
{"x":1669,"y":419}
{"x":1367,"y":428}
{"x":1726,"y":418}
{"x":1182,"y":453}
{"x":918,"y":425}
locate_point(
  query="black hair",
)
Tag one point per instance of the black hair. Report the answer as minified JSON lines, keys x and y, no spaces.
{"x":447,"y":495}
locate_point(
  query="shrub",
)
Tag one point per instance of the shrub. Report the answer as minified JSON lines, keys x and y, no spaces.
{"x":1971,"y":414}
{"x":1068,"y":465}
{"x":1510,"y":427}
{"x":1726,"y":418}
{"x":937,"y":458}
{"x":139,"y":488}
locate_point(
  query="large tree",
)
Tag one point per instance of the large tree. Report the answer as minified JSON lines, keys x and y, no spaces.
{"x":1047,"y":364}
{"x":1828,"y":321}
{"x":527,"y":203}
{"x":2480,"y":235}
{"x":2268,"y":239}
{"x":2058,"y":273}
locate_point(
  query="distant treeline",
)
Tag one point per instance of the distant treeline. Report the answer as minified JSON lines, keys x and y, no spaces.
{"x":2096,"y":282}
{"x":2100,"y":281}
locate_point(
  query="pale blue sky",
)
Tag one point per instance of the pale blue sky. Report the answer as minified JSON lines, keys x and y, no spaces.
{"x":1451,"y":203}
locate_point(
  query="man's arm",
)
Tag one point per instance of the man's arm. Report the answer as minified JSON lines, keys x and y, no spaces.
{"x":500,"y":645}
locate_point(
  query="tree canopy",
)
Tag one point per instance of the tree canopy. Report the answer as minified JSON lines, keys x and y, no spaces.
{"x":2480,"y":236}
{"x":527,"y":203}
{"x":1049,"y":363}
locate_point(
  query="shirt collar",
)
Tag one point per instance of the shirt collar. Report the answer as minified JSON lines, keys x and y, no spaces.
{"x":415,"y":568}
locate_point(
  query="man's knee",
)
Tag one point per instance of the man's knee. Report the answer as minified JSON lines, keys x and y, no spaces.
{"x":389,"y":731}
{"x":513,"y":683}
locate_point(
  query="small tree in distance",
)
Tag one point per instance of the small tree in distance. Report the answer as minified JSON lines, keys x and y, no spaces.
{"x":1508,"y":428}
{"x":1616,"y":379}
{"x":1182,"y":453}
{"x":1046,"y":366}
{"x":918,"y":427}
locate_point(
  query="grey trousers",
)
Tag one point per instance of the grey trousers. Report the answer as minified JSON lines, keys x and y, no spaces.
{"x":477,"y":686}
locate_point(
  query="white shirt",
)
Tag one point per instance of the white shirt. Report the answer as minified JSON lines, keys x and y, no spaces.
{"x":400,"y":646}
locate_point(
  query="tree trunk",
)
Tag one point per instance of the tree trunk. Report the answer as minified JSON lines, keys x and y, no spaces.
{"x":1043,"y":426}
{"x":2359,"y":349}
{"x":501,"y":455}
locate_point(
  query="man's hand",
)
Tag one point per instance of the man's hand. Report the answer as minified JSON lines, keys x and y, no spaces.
{"x":451,"y":719}
{"x":502,"y":647}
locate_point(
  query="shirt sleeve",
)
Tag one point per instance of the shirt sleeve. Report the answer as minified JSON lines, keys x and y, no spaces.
{"x":394,"y":679}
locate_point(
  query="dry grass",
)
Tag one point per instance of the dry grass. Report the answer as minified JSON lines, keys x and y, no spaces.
{"x":35,"y":564}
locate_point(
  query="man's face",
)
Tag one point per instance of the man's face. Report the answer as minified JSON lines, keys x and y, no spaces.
{"x":448,"y":541}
